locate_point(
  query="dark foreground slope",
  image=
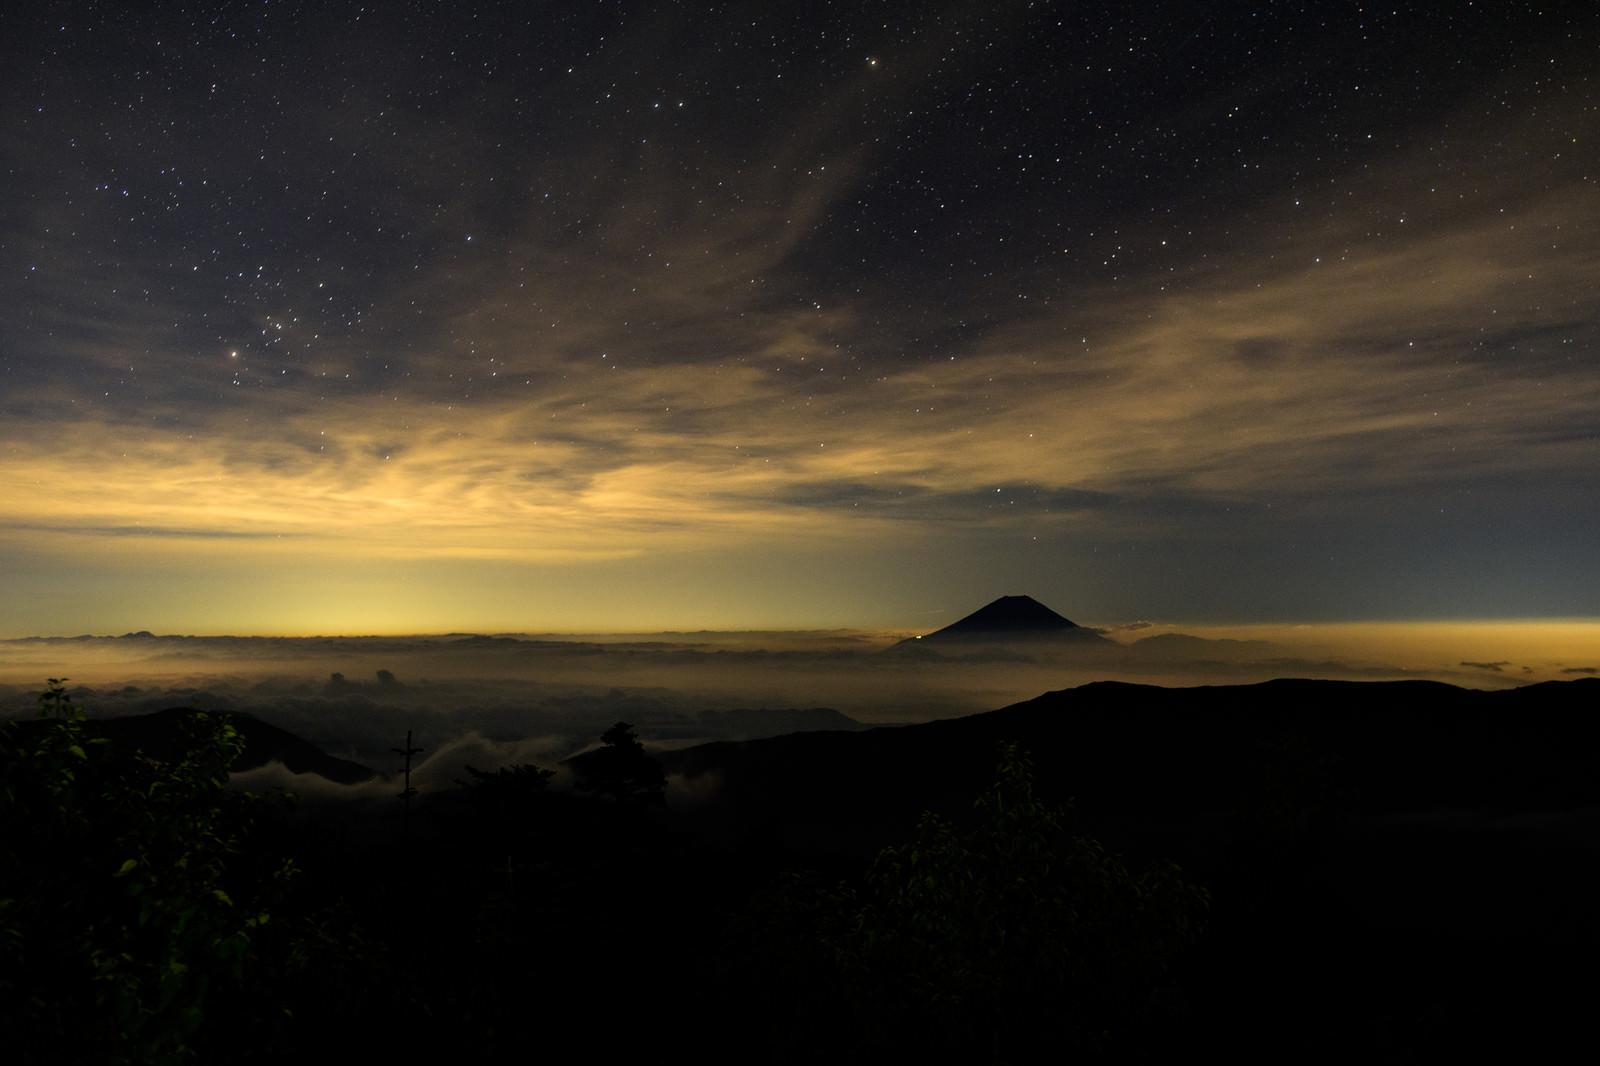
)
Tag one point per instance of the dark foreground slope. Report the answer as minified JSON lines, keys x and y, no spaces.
{"x":1397,"y":872}
{"x":1142,"y":753}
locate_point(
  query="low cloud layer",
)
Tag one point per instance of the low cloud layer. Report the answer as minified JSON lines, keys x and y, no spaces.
{"x":499,"y":701}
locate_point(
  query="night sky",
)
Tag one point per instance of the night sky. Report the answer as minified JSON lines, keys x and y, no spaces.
{"x":583,"y":315}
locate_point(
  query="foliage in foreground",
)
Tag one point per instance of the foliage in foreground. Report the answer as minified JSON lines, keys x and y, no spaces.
{"x":126,"y":907}
{"x":997,"y":941}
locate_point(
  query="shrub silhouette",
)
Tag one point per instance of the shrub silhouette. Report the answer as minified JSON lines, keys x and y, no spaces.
{"x":1002,"y":939}
{"x":123,"y":910}
{"x":621,"y":769}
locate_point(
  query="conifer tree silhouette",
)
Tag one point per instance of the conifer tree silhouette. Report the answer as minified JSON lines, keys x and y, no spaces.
{"x":622,"y":770}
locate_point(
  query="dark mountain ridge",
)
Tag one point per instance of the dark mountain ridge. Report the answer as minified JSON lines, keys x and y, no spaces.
{"x":1138,"y":755}
{"x":1382,"y":857}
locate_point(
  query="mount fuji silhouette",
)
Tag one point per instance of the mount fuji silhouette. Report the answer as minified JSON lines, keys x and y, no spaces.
{"x":1008,"y":620}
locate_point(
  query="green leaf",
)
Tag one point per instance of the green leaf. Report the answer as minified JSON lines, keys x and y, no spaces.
{"x":127,"y":866}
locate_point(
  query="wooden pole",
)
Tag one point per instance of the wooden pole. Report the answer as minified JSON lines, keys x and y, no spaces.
{"x":408,"y":792}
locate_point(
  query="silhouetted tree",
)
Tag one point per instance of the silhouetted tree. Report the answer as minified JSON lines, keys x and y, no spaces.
{"x":508,"y":794}
{"x":505,"y":802}
{"x":1300,"y":784}
{"x":621,"y":769}
{"x":126,"y":905}
{"x":523,"y":777}
{"x":1001,"y":940}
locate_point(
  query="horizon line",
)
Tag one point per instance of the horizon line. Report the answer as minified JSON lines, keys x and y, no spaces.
{"x":556,"y":635}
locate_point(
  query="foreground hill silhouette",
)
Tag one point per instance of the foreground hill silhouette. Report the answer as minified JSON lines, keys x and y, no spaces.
{"x":1399,"y":871}
{"x":1398,"y":868}
{"x":1145,"y":752}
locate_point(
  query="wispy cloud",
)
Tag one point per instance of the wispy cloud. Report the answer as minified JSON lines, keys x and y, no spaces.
{"x":647,"y":344}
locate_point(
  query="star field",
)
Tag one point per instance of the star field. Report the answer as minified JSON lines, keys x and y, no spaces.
{"x":319,"y":316}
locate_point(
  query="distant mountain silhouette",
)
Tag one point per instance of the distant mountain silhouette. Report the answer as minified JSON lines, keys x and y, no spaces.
{"x":1007,"y":620}
{"x":744,"y":722}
